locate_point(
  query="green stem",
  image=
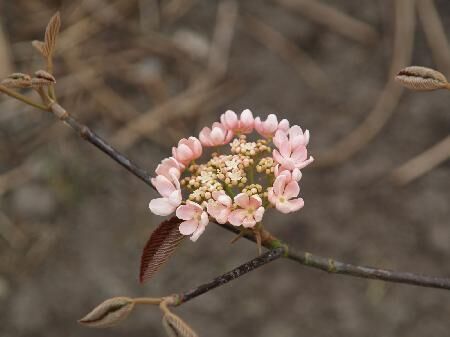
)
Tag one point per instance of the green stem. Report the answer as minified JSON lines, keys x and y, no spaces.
{"x":22,"y":98}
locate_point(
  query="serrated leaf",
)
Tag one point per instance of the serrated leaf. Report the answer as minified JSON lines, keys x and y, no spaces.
{"x":160,"y":247}
{"x":51,"y":33}
{"x":108,"y":313}
{"x":176,"y":327}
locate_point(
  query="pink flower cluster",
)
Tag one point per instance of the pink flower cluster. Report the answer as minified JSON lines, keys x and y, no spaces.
{"x":225,"y":188}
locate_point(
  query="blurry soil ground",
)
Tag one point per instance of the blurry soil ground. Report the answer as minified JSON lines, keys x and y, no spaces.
{"x":73,"y":223}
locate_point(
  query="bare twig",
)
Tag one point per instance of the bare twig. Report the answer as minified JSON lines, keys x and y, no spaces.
{"x":268,"y":241}
{"x":337,"y":267}
{"x":333,"y":19}
{"x":358,"y":138}
{"x":87,"y":134}
{"x":435,"y":34}
{"x":243,"y":269}
{"x":304,"y":65}
{"x":227,"y":13}
{"x":423,"y":163}
{"x":183,"y":105}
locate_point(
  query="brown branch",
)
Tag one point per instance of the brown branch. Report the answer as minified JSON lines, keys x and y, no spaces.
{"x":268,"y":241}
{"x":337,"y":267}
{"x":237,"y":272}
{"x":90,"y":136}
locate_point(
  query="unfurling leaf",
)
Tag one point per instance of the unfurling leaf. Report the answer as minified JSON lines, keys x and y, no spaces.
{"x":176,"y":327}
{"x":422,"y":78}
{"x":17,"y":81}
{"x":51,"y":34}
{"x":108,"y":313}
{"x":159,"y":247}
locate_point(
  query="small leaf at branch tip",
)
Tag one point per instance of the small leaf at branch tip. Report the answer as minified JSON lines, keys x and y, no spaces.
{"x":176,"y":327}
{"x":108,"y":313}
{"x":51,"y":34}
{"x":421,"y":78}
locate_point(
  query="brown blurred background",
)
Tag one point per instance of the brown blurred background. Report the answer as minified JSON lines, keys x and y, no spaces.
{"x":144,"y":73}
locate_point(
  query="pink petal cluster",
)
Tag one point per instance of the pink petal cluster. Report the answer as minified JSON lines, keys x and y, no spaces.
{"x":220,"y":206}
{"x":170,"y":195}
{"x":249,"y":213}
{"x":208,"y":183}
{"x":244,"y":124}
{"x":270,"y":126}
{"x":195,"y":219}
{"x":216,"y":136}
{"x":187,"y":150}
{"x":291,"y":146}
{"x":284,"y":194}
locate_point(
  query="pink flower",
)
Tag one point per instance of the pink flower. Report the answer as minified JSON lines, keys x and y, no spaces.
{"x":195,"y":219}
{"x":291,"y":146}
{"x":270,"y":126}
{"x":231,"y":122}
{"x":220,"y":206}
{"x":295,"y":174}
{"x":171,"y":196}
{"x":282,"y":193}
{"x":170,"y":168}
{"x":187,"y":150}
{"x":217,"y":135}
{"x":250,"y":212}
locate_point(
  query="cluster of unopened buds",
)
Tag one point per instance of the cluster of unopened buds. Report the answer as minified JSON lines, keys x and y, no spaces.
{"x":241,"y":179}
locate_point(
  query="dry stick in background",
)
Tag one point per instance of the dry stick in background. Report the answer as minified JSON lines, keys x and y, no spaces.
{"x":174,"y":10}
{"x":435,"y":34}
{"x":219,"y":53}
{"x":5,"y":57}
{"x":358,"y":138}
{"x":304,"y":65}
{"x":424,"y":162}
{"x":333,"y":19}
{"x":207,"y":89}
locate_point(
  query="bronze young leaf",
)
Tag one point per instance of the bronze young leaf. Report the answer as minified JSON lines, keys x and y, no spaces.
{"x":159,"y":247}
{"x":50,"y":35}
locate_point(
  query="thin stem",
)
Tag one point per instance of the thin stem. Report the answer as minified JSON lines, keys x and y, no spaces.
{"x":90,"y":136}
{"x":243,"y":269}
{"x":268,"y":241}
{"x":22,"y":98}
{"x":148,"y":300}
{"x":337,"y":267}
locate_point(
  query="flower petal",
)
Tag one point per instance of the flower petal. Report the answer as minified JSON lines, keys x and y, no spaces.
{"x":186,"y":212}
{"x":242,"y":200}
{"x":291,"y":190}
{"x":161,"y":206}
{"x":199,"y":231}
{"x":236,"y":217}
{"x":188,"y":227}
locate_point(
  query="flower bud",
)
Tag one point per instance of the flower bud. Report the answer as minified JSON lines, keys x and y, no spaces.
{"x":422,"y":79}
{"x":108,"y":313}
